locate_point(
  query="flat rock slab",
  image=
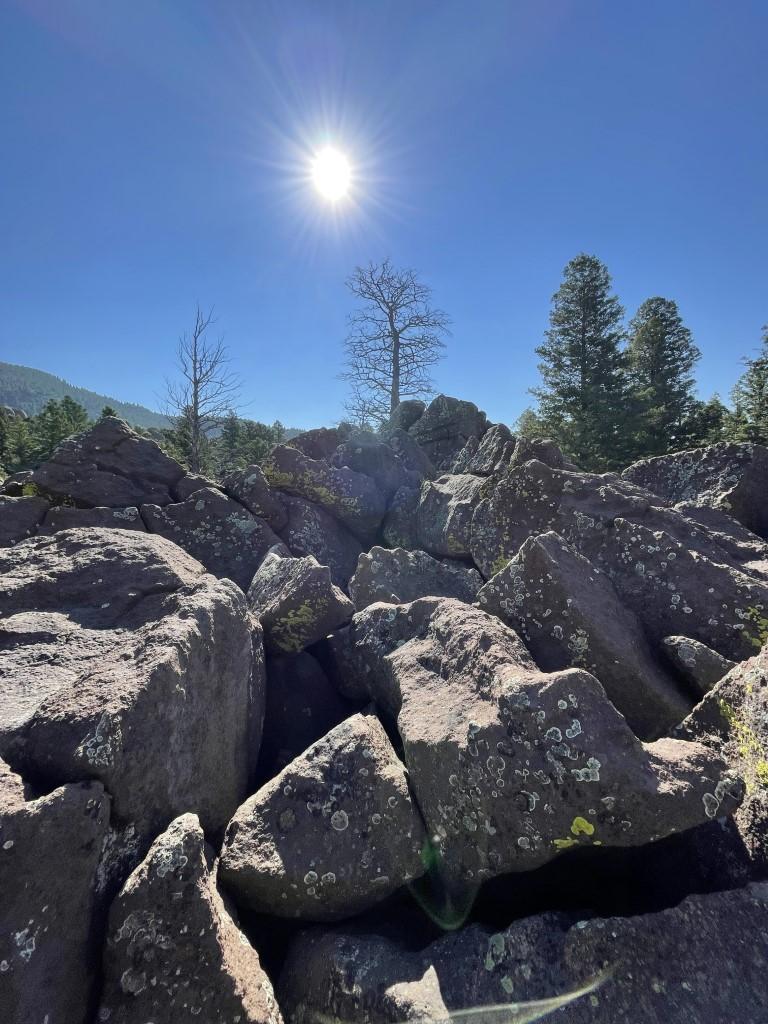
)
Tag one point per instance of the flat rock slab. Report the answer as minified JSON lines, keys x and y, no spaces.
{"x":333,"y":834}
{"x":66,"y":517}
{"x":397,"y":576}
{"x":173,"y":952}
{"x":311,"y":530}
{"x":19,"y":518}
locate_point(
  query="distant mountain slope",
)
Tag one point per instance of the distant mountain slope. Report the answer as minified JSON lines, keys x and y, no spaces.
{"x":21,"y":387}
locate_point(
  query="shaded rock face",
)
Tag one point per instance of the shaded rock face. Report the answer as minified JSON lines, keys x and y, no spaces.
{"x":65,"y":517}
{"x":123,"y":662}
{"x":444,"y":514}
{"x":653,"y":964}
{"x":378,"y":461}
{"x":296,"y":602}
{"x":335,"y":832}
{"x":488,"y":456}
{"x":173,"y":952}
{"x":398,"y":576}
{"x":225,"y":537}
{"x":313,"y":531}
{"x":725,"y":476}
{"x":740,"y":543}
{"x":249,"y":486}
{"x":445,"y":426}
{"x":49,"y":860}
{"x":319,"y":443}
{"x":406,"y":414}
{"x":511,"y":766}
{"x":699,"y":665}
{"x":399,"y":527}
{"x":569,"y":615}
{"x":19,"y":518}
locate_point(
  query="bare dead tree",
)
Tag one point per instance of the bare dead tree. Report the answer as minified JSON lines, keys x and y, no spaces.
{"x":207,"y":389}
{"x":393,"y":340}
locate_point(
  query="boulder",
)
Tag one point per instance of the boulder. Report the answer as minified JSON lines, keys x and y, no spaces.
{"x":249,"y":486}
{"x":379,"y":462}
{"x":727,"y":476}
{"x":569,"y":615}
{"x":543,"y":450}
{"x":741,"y":544}
{"x":313,"y":531}
{"x":406,"y":414}
{"x":399,"y":526}
{"x":699,"y":665}
{"x":49,"y":866}
{"x":511,"y":766}
{"x":352,"y":498}
{"x":489,"y":456}
{"x":173,"y":952}
{"x":189,"y":484}
{"x":225,"y":537}
{"x":108,"y":465}
{"x":445,"y":426}
{"x":410,"y":453}
{"x":123,"y":662}
{"x":397,"y":576}
{"x":19,"y":517}
{"x":67,"y":517}
{"x":334,"y":833}
{"x":319,"y":443}
{"x":642,"y":969}
{"x":296,"y":602}
{"x":444,"y":514}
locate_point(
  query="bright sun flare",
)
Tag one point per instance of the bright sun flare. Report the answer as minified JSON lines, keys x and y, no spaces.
{"x":331,"y":174}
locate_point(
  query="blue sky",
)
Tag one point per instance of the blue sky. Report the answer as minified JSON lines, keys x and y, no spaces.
{"x":155,"y":155}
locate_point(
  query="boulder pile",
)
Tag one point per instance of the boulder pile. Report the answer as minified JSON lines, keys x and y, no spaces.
{"x":381,"y":730}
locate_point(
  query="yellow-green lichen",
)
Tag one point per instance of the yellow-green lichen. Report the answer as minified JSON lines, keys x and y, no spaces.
{"x":751,"y":750}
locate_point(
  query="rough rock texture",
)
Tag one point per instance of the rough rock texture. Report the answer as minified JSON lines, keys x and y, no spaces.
{"x":123,"y":662}
{"x":731,"y":477}
{"x":543,"y":450}
{"x":488,"y":456}
{"x":444,"y":514}
{"x":509,"y":765}
{"x":109,"y":465}
{"x":406,"y":414}
{"x":733,"y":720}
{"x":65,"y":517}
{"x":296,"y":602}
{"x":699,"y":665}
{"x":445,"y":426}
{"x":409,"y":451}
{"x":398,"y":576}
{"x":702,"y":962}
{"x":249,"y":486}
{"x":567,"y":612}
{"x":740,"y":543}
{"x":399,"y":527}
{"x":189,"y":484}
{"x":19,"y":518}
{"x":313,"y":531}
{"x":217,"y":531}
{"x":352,"y":498}
{"x":49,"y":858}
{"x":380,"y":462}
{"x":335,"y":832}
{"x":173,"y":952}
{"x":319,"y":443}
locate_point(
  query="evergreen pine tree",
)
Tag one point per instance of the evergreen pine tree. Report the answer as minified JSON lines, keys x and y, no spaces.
{"x":750,"y":398}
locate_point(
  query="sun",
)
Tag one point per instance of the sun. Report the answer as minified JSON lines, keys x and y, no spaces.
{"x":331,"y":174}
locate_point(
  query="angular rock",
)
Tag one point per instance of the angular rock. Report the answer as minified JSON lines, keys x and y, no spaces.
{"x":489,"y":456}
{"x":397,"y":576}
{"x":726,"y":476}
{"x":406,"y":414}
{"x":399,"y":527}
{"x":699,"y":665}
{"x":249,"y":486}
{"x":643,"y":969}
{"x":108,"y":465}
{"x":319,"y":443}
{"x":173,"y":951}
{"x":543,"y":450}
{"x":334,"y":833}
{"x":445,"y":426}
{"x":49,"y":860}
{"x":123,"y":662}
{"x":378,"y":461}
{"x":411,"y":454}
{"x":189,"y":484}
{"x":569,"y":615}
{"x":65,"y":517}
{"x":444,"y":514}
{"x":510,"y":766}
{"x":296,"y":602}
{"x":313,"y":531}
{"x":19,"y":518}
{"x":217,"y":531}
{"x":739,"y":542}
{"x":352,"y":498}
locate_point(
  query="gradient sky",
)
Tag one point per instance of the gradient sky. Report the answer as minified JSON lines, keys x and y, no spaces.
{"x":154,"y":155}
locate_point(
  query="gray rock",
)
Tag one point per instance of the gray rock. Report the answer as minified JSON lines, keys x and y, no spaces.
{"x":173,"y":951}
{"x":489,"y":456}
{"x":406,"y":414}
{"x":567,"y":612}
{"x":643,"y":969}
{"x":741,"y":544}
{"x":296,"y":602}
{"x":378,"y":461}
{"x":49,"y":860}
{"x":123,"y":662}
{"x":699,"y":665}
{"x":334,"y":833}
{"x":444,"y":514}
{"x":408,"y":450}
{"x":217,"y":531}
{"x":397,"y":576}
{"x":313,"y":531}
{"x":319,"y":443}
{"x":445,"y":426}
{"x":65,"y":517}
{"x":399,"y":527}
{"x":189,"y":484}
{"x":249,"y":486}
{"x":19,"y":518}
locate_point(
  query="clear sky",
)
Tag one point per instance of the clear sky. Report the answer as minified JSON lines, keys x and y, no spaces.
{"x":153,"y":155}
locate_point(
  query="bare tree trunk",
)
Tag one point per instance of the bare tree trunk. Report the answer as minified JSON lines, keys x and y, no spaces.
{"x":394,"y":399}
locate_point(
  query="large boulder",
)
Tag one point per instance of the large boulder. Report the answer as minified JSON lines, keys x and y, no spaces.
{"x":510,"y":766}
{"x":296,"y":602}
{"x":701,"y":962}
{"x":445,"y":426}
{"x":397,"y":576}
{"x":399,"y":527}
{"x":50,"y":849}
{"x":123,"y":662}
{"x":319,"y":443}
{"x":173,"y":952}
{"x":406,"y":413}
{"x":726,"y":476}
{"x":225,"y":537}
{"x":567,"y":612}
{"x":444,"y":514}
{"x":334,"y":833}
{"x":697,"y":664}
{"x":311,"y":530}
{"x":378,"y":461}
{"x":19,"y":517}
{"x":249,"y":486}
{"x":489,"y":456}
{"x":67,"y":517}
{"x":108,"y":465}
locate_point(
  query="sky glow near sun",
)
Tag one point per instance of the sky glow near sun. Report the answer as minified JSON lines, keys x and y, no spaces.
{"x":331,"y":174}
